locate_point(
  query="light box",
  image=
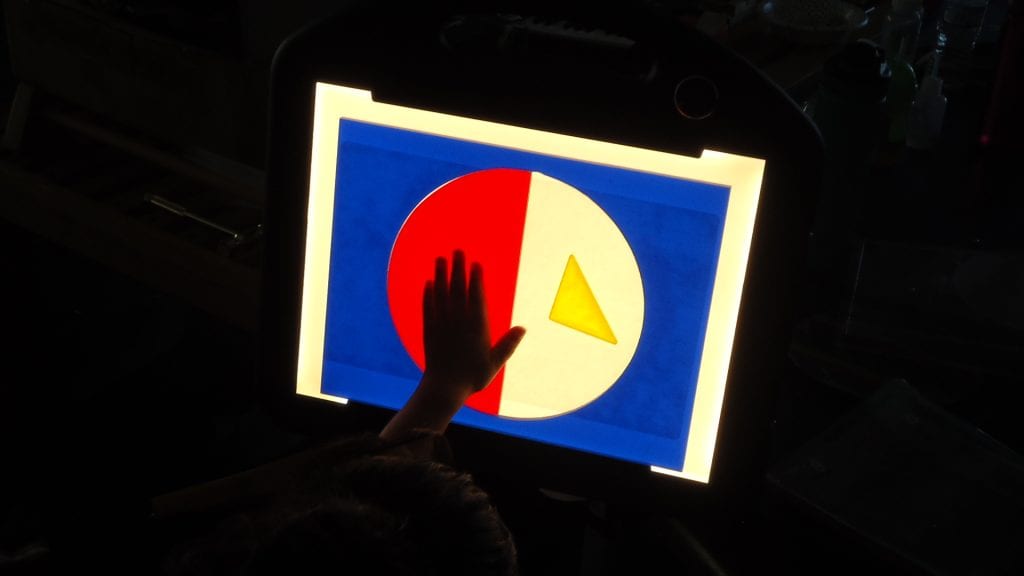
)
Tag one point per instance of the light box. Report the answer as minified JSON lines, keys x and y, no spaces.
{"x":625,"y":265}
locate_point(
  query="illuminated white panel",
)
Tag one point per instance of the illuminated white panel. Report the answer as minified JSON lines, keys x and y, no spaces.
{"x":742,"y":175}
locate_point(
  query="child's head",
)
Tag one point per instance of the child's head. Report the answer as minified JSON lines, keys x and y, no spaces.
{"x":374,"y":515}
{"x":392,"y":516}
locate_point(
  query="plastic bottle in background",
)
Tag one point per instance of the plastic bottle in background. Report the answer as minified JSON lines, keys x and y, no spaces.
{"x":924,"y":125}
{"x":901,"y":29}
{"x":849,"y":110}
{"x":958,"y":30}
{"x":900,"y":97}
{"x":849,"y":106}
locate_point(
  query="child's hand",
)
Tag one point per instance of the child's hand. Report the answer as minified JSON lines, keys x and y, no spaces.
{"x":460,"y":359}
{"x":456,"y":337}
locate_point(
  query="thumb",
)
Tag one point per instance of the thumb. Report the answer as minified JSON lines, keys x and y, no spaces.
{"x":505,"y":346}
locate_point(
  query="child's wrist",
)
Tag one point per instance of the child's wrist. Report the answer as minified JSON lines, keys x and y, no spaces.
{"x":444,"y":392}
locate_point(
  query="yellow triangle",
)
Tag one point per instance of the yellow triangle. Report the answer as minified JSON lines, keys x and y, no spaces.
{"x":576,"y":307}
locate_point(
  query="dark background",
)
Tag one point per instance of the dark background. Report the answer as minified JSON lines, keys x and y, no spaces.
{"x":130,"y":354}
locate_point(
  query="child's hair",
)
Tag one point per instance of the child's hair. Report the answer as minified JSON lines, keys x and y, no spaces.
{"x":372,"y":515}
{"x":385,"y":515}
